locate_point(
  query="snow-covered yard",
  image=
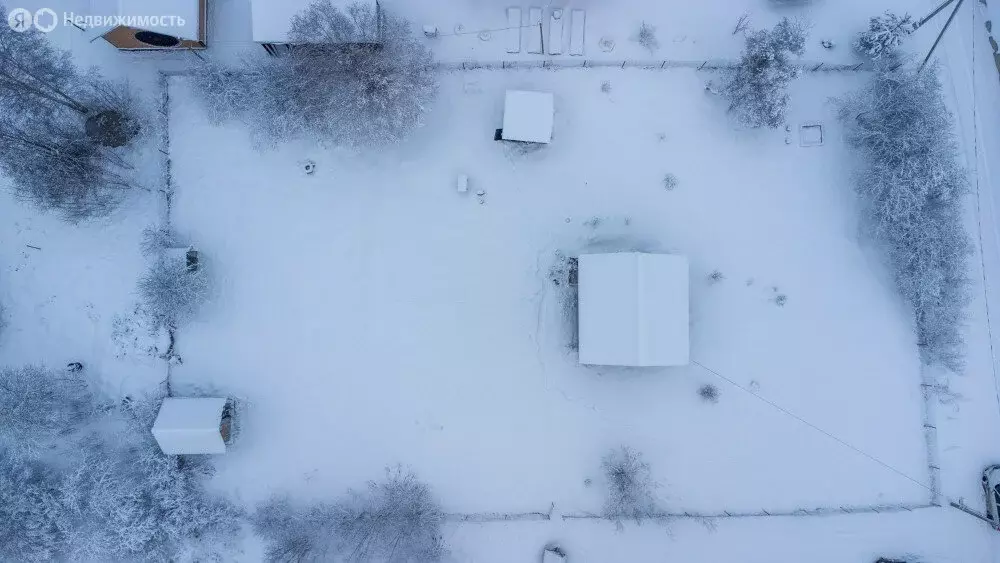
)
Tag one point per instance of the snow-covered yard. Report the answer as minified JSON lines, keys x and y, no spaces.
{"x":371,"y":315}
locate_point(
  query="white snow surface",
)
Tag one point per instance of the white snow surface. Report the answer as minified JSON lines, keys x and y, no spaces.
{"x":371,"y":297}
{"x":528,"y":116}
{"x":633,"y":309}
{"x":190,"y":425}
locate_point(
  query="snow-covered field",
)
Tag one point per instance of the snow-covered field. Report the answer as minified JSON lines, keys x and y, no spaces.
{"x":372,"y":315}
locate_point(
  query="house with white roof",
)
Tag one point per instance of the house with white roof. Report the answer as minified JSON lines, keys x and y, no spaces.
{"x":527,"y":117}
{"x":272,"y":19}
{"x":633,"y":309}
{"x":187,"y":426}
{"x":145,"y":25}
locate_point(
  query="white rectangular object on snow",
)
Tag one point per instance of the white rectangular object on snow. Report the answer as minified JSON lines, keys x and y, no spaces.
{"x":271,"y":19}
{"x":514,"y":30}
{"x":556,"y":32}
{"x":187,"y":426}
{"x":633,"y":309}
{"x":528,"y":116}
{"x":534,"y":31}
{"x":577,"y":32}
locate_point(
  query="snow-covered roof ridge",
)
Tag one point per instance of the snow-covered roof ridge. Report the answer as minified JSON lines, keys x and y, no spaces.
{"x":190,"y":425}
{"x":633,"y":309}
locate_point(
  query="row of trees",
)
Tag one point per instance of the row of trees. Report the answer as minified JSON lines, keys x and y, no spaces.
{"x":67,"y":135}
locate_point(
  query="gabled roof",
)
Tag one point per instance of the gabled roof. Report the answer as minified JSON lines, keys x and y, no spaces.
{"x":190,"y":426}
{"x":633,"y":309}
{"x":134,"y":11}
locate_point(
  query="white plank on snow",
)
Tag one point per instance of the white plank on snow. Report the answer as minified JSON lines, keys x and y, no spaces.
{"x":578,"y":30}
{"x":534,"y":30}
{"x":556,"y":32}
{"x":514,"y":30}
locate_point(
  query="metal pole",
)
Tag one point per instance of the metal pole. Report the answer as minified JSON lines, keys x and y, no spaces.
{"x":971,"y":512}
{"x":940,"y":35}
{"x":936,"y":11}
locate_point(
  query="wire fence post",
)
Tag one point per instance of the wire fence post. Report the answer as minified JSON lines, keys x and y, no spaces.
{"x":702,"y":65}
{"x":817,"y":67}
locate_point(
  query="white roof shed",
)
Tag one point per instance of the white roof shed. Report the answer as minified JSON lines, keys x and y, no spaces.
{"x":633,"y":309}
{"x":271,"y":19}
{"x":190,"y":426}
{"x":528,"y":116}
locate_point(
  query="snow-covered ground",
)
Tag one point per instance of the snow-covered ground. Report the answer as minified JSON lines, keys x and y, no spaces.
{"x":372,"y":315}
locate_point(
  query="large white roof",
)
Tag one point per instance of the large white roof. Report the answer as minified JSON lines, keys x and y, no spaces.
{"x":190,"y":426}
{"x":527,"y":116}
{"x":141,"y":10}
{"x":633,"y":309}
{"x":273,"y":18}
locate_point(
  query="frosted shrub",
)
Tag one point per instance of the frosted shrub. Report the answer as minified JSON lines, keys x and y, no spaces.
{"x":646,"y":36}
{"x":394,"y":520}
{"x":295,"y":533}
{"x":885,"y":33}
{"x":32,"y":525}
{"x":912,"y":188}
{"x":757,"y":87}
{"x":38,"y":406}
{"x":171,"y":292}
{"x":630,"y":488}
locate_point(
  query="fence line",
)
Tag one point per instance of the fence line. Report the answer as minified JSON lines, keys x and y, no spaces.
{"x":167,"y":192}
{"x":927,"y":412}
{"x":494,"y":517}
{"x":710,"y":64}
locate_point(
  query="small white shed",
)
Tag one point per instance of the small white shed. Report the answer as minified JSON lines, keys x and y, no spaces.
{"x":528,"y":116}
{"x":192,"y":426}
{"x":633,"y":309}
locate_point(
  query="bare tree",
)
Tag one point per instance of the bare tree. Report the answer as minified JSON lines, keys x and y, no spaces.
{"x":39,"y":406}
{"x":757,"y":87}
{"x":293,"y":533}
{"x":357,"y":77}
{"x":912,"y":186}
{"x":630,"y":487}
{"x":32,"y":522}
{"x":395,"y":520}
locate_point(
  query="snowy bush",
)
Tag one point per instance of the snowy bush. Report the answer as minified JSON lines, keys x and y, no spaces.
{"x":630,"y":487}
{"x":709,"y":393}
{"x":131,"y":501}
{"x":37,"y":406}
{"x":757,"y":87}
{"x":172,"y":292}
{"x":885,"y":33}
{"x":912,"y":188}
{"x":32,"y":522}
{"x":295,"y":533}
{"x":646,"y":36}
{"x":396,"y":519}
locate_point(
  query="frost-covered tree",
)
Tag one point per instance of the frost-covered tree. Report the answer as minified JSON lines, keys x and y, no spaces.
{"x":172,"y":292}
{"x":394,"y":520}
{"x":912,"y":188}
{"x":355,"y":77}
{"x":38,"y":406}
{"x":63,"y":132}
{"x":630,"y":487}
{"x":757,"y":87}
{"x":885,"y":33}
{"x":295,"y":533}
{"x":129,"y":501}
{"x":32,"y":519}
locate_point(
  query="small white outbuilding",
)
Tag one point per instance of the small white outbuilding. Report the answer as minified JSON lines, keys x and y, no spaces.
{"x":528,"y":116}
{"x":633,"y":309}
{"x":187,"y":426}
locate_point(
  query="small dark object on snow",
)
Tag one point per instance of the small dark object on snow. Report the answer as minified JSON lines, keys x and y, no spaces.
{"x":309,"y":167}
{"x":709,"y":393}
{"x":827,"y":44}
{"x":716,"y":276}
{"x":498,"y":135}
{"x":74,"y":367}
{"x":111,"y":128}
